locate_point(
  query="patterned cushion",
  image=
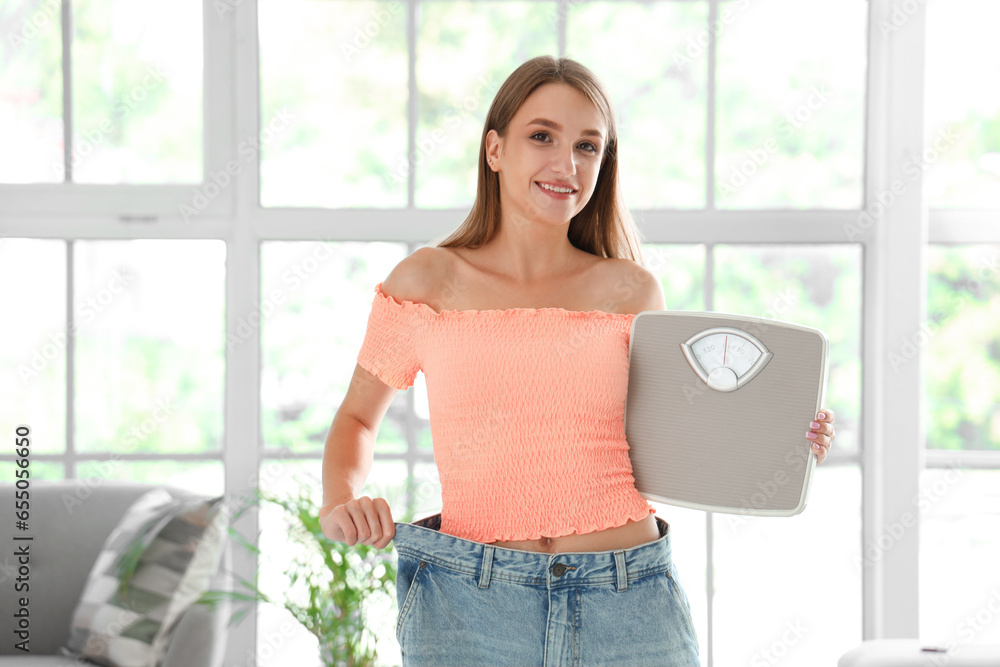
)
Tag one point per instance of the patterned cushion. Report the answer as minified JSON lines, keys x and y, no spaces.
{"x":174,"y":546}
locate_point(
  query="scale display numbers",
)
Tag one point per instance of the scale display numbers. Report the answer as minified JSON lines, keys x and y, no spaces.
{"x":725,"y":358}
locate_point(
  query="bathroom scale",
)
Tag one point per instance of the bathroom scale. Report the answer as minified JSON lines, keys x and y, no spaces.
{"x":718,"y":407}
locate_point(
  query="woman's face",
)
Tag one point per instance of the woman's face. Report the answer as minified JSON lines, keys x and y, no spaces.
{"x":554,"y":142}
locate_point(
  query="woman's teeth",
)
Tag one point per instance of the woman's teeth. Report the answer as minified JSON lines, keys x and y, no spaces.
{"x":556,"y":189}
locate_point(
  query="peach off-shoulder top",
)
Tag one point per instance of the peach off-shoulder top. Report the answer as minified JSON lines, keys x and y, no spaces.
{"x":527,"y":413}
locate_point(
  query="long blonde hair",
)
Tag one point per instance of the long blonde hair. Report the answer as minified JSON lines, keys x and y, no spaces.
{"x":605,"y":226}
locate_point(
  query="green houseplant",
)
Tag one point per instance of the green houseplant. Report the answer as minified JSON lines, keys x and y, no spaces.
{"x":329,"y":582}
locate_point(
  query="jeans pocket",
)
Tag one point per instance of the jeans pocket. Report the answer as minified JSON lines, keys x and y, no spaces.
{"x":685,"y":621}
{"x":677,"y":590}
{"x":409,"y":573}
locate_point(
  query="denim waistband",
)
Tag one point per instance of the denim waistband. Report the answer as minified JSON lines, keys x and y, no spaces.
{"x":424,"y":540}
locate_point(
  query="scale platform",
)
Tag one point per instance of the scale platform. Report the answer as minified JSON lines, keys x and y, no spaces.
{"x":718,"y":407}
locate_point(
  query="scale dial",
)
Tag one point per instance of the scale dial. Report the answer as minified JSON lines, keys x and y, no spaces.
{"x":725,"y":358}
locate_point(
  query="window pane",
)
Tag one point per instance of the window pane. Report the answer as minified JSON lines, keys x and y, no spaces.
{"x":465,"y":50}
{"x":137,"y":91}
{"x":427,"y":498}
{"x":33,"y":341}
{"x":346,"y":109}
{"x":315,"y":301}
{"x":959,"y":552}
{"x":657,"y":86}
{"x":790,"y":130}
{"x":388,"y":479}
{"x":31,"y":115}
{"x":425,"y":439}
{"x":962,"y":335}
{"x":150,"y":358}
{"x":681,"y":270}
{"x":38,"y":470}
{"x":201,"y":477}
{"x":422,"y":413}
{"x":788,"y":589}
{"x":962,"y":111}
{"x":815,"y":286}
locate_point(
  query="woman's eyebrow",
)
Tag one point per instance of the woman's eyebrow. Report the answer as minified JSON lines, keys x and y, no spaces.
{"x":556,"y":126}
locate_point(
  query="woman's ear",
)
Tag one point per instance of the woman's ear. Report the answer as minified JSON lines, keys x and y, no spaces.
{"x":494,"y":145}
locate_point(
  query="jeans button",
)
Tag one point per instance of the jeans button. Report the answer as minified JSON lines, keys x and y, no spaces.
{"x":558,"y":569}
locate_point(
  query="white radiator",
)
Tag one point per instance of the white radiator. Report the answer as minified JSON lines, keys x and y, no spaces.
{"x":914,"y":653}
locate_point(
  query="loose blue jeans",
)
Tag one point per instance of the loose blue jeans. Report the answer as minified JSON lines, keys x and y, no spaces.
{"x":469,"y":603}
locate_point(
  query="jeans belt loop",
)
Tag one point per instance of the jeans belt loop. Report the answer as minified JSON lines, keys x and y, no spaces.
{"x":622,"y":572}
{"x":486,"y":571}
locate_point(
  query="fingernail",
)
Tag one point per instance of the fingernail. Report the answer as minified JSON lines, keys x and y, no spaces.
{"x":822,"y":415}
{"x":811,"y":435}
{"x":816,"y":446}
{"x":815,"y":424}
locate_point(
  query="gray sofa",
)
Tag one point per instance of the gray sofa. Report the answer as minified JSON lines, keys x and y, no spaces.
{"x":63,"y":550}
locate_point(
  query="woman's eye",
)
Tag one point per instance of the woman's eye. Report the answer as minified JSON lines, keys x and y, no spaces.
{"x":586,"y":145}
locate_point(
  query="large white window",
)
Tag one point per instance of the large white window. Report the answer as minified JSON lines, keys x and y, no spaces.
{"x":198,"y":199}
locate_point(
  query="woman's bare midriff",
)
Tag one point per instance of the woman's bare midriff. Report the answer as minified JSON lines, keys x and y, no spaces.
{"x":631,"y":534}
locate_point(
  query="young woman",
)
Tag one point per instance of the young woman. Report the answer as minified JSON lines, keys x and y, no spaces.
{"x":544,"y":553}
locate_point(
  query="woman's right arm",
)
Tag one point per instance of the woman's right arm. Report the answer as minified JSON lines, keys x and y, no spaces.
{"x":347,"y":460}
{"x":350,"y":443}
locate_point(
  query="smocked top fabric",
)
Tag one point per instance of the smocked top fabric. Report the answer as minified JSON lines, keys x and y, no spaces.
{"x":527,"y":413}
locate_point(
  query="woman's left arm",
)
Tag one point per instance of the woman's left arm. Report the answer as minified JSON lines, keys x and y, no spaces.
{"x":821,"y":434}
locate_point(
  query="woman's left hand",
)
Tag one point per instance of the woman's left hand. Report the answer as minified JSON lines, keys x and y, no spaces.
{"x":821,"y":434}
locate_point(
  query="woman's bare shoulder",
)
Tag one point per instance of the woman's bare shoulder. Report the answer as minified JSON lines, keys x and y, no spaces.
{"x":631,"y":287}
{"x":416,"y":276}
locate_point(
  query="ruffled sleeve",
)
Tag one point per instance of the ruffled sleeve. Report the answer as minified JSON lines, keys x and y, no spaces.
{"x":389,"y":351}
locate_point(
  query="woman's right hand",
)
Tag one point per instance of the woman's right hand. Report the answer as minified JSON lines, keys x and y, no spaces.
{"x":359,"y":520}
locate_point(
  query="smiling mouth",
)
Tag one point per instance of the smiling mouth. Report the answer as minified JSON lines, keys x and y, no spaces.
{"x":555,"y":188}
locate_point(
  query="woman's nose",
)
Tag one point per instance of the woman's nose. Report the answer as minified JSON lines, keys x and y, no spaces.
{"x":564,"y":162}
